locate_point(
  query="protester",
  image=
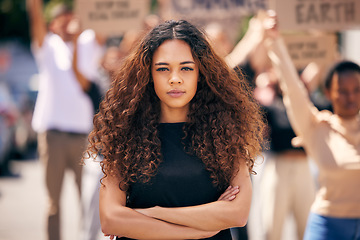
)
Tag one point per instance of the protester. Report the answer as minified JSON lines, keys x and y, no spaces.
{"x":287,"y":186}
{"x":332,"y":140}
{"x":179,"y":133}
{"x":285,"y":165}
{"x":63,"y":112}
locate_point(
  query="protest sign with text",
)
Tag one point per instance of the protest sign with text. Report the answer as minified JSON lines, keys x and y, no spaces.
{"x":332,"y":15}
{"x":112,"y":17}
{"x":307,"y":48}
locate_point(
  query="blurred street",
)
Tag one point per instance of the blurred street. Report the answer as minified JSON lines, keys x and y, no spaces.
{"x":23,"y":204}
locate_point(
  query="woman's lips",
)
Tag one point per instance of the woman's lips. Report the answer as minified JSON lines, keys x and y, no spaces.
{"x":176,"y":93}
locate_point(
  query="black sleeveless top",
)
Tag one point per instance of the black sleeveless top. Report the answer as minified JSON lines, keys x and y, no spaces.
{"x":181,"y":179}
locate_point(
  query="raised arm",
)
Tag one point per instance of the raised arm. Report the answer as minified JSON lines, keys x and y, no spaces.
{"x":38,"y":28}
{"x":213,"y":216}
{"x":118,"y":220}
{"x":301,"y":111}
{"x":244,"y":48}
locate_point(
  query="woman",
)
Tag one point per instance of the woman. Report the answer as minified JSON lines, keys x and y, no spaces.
{"x":332,"y":140}
{"x":179,"y":134}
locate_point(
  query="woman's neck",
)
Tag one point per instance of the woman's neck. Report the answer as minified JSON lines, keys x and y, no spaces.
{"x":173,"y":115}
{"x":348,"y":118}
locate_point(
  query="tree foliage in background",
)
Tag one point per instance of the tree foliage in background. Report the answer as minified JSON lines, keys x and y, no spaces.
{"x":49,"y":6}
{"x":14,"y":19}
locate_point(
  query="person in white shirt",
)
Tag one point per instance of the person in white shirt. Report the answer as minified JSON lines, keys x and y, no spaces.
{"x":63,"y":111}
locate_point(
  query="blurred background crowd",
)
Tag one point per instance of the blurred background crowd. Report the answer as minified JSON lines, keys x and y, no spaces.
{"x":316,"y":33}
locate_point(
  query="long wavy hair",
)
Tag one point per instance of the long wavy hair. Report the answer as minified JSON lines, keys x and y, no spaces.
{"x":225,"y":125}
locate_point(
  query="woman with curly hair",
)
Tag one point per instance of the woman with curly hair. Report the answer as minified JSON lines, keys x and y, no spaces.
{"x":179,"y":132}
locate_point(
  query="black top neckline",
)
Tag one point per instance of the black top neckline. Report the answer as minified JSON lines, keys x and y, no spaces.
{"x":174,"y":123}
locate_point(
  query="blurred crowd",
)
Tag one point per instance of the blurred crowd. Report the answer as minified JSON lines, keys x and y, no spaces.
{"x":287,"y":184}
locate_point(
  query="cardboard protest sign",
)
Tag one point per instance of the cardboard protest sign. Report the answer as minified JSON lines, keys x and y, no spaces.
{"x":227,"y":13}
{"x":210,"y":9}
{"x":306,"y":48}
{"x":112,"y":17}
{"x":334,"y":15}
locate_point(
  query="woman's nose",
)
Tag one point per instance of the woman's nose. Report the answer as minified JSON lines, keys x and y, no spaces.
{"x":175,"y":79}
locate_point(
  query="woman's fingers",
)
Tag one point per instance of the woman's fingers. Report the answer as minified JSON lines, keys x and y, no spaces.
{"x":110,"y":236}
{"x":225,"y":193}
{"x":229,"y":194}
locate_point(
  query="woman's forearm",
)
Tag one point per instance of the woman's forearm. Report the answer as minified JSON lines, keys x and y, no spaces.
{"x":212,"y":216}
{"x":208,"y":217}
{"x":118,"y":220}
{"x":129,"y":223}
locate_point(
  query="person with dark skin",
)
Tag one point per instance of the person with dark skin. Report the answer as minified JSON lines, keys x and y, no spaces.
{"x":179,"y":132}
{"x":331,"y":139}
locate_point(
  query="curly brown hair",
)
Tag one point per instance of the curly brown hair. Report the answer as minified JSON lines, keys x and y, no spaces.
{"x":225,"y":124}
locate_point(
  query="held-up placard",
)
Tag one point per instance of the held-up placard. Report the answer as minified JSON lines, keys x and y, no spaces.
{"x":332,"y":15}
{"x":210,"y":9}
{"x":112,"y":17}
{"x":306,"y":48}
{"x":227,"y":13}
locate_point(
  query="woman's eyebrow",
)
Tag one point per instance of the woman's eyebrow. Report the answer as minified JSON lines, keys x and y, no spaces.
{"x":182,"y":63}
{"x":161,"y":63}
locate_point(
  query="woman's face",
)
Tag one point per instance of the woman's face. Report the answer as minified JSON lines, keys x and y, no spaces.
{"x":344,"y":94}
{"x":175,"y":75}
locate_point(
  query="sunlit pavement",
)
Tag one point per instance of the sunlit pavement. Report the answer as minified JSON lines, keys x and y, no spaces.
{"x":23,"y":204}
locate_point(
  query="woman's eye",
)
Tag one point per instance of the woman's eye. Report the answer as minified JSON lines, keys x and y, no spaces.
{"x":187,"y":69}
{"x":161,"y":69}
